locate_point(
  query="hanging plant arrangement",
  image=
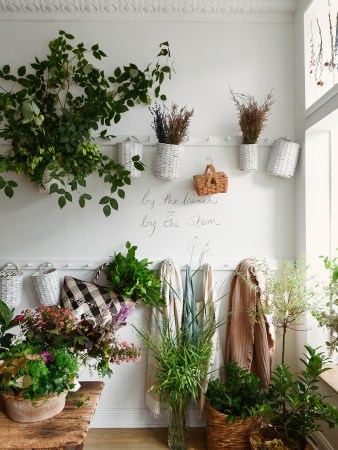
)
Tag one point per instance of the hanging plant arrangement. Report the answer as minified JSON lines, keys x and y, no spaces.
{"x":49,"y":113}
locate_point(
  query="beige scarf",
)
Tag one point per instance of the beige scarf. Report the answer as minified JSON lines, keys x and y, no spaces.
{"x":210,"y":308}
{"x":172,"y":292}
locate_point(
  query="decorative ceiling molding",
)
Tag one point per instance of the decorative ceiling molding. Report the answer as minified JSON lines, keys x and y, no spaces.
{"x":163,"y":10}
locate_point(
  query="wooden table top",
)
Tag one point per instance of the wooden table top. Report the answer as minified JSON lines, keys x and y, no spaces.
{"x":67,"y":429}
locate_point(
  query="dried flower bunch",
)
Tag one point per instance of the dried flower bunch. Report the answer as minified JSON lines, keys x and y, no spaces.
{"x":252,"y":116}
{"x":171,"y":126}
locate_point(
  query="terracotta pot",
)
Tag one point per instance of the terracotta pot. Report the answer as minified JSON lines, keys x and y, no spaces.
{"x":23,"y":410}
{"x":294,"y":440}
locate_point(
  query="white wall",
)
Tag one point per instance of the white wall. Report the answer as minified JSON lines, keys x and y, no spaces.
{"x":255,"y":218}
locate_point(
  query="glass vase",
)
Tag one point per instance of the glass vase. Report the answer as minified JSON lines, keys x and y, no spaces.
{"x":178,"y":437}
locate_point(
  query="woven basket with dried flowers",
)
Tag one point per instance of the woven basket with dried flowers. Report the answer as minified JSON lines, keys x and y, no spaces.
{"x":171,"y":128}
{"x":252,"y":118}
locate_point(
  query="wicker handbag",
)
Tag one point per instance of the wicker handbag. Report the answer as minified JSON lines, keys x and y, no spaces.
{"x":11,"y":284}
{"x":283,"y":158}
{"x":228,"y":435}
{"x":210,"y":182}
{"x":47,"y":285}
{"x":125,"y":153}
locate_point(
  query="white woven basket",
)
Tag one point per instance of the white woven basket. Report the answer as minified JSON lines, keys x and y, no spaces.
{"x":125,"y":152}
{"x":248,"y":157}
{"x":47,"y":285}
{"x":11,"y":285}
{"x":167,"y":161}
{"x":283,"y":158}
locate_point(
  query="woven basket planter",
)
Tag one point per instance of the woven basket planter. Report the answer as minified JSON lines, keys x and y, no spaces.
{"x":283,"y":158}
{"x":248,"y":157}
{"x":125,"y":153}
{"x":167,"y":161}
{"x":11,"y":285}
{"x":234,"y":436}
{"x":47,"y":285}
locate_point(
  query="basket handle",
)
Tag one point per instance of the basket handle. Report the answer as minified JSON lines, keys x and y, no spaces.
{"x":213,"y":174}
{"x":98,"y":272}
{"x":44,"y":266}
{"x":11,"y":263}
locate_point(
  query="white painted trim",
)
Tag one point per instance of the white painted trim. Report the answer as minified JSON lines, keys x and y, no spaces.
{"x":70,"y":264}
{"x":322,"y":442}
{"x":321,"y":101}
{"x":138,"y":418}
{"x":193,"y":140}
{"x":157,"y":10}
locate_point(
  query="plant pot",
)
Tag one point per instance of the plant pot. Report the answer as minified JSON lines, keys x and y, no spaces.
{"x":125,"y":153}
{"x":222,"y":434}
{"x":167,"y":161}
{"x":23,"y":410}
{"x":270,"y":437}
{"x":248,"y":157}
{"x":283,"y":158}
{"x":178,"y":436}
{"x":47,"y":285}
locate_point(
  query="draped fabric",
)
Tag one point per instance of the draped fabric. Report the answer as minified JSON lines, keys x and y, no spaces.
{"x":172,"y":291}
{"x":208,"y":312}
{"x":249,"y":338}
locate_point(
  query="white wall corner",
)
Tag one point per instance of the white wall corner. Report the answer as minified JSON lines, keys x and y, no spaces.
{"x":166,"y":10}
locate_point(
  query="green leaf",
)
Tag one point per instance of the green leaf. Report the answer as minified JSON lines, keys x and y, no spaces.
{"x":69,"y":36}
{"x":166,"y":69}
{"x":104,"y":200}
{"x":12,"y":183}
{"x":9,"y":192}
{"x":27,"y":112}
{"x":133,"y":73}
{"x":95,"y":47}
{"x":21,"y":71}
{"x":54,"y":188}
{"x":139,"y":166}
{"x":107,"y":210}
{"x":62,"y":202}
{"x":87,"y":196}
{"x":121,"y":193}
{"x":68,"y":196}
{"x":117,"y":118}
{"x":6,"y":69}
{"x":114,"y":204}
{"x":82,"y":182}
{"x":163,"y":97}
{"x":117,"y":72}
{"x":2,"y":183}
{"x":82,"y":201}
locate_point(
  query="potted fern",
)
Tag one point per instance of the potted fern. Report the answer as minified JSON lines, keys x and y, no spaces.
{"x":252,"y":118}
{"x":50,"y":111}
{"x":171,"y":128}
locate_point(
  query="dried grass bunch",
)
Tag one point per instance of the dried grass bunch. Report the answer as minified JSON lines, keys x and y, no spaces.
{"x":252,"y":116}
{"x":171,"y":126}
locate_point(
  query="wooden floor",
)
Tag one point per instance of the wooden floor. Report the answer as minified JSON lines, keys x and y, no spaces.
{"x":138,"y":438}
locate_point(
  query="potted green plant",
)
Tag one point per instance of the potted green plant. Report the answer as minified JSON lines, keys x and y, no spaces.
{"x":233,"y":407}
{"x":252,"y":118}
{"x":294,"y":406}
{"x":131,"y":278}
{"x":171,"y":129}
{"x":6,"y":323}
{"x":50,"y":111}
{"x":327,"y":316}
{"x":34,"y":381}
{"x":181,"y":360}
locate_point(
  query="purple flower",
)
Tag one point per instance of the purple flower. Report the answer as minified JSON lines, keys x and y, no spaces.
{"x":47,"y":357}
{"x":121,"y":317}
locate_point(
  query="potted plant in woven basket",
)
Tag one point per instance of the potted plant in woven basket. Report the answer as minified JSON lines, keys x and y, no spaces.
{"x":294,"y":407}
{"x":233,"y":407}
{"x":171,"y":128}
{"x":252,"y":118}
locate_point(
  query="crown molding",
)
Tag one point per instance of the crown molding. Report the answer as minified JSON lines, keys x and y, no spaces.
{"x":159,"y":10}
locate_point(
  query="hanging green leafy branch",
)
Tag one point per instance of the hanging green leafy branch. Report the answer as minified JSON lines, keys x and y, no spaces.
{"x":49,"y":114}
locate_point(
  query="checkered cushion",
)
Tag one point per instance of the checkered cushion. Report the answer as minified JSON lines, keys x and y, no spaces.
{"x":88,"y":301}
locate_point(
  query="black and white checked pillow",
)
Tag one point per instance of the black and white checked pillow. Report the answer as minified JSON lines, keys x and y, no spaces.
{"x":88,"y":301}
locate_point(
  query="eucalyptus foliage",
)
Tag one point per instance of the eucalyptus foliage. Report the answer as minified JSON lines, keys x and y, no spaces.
{"x":49,"y":111}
